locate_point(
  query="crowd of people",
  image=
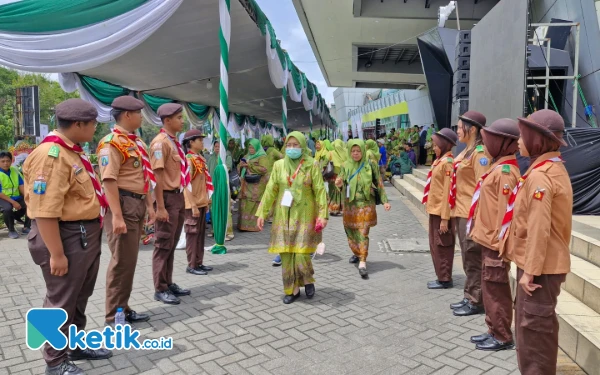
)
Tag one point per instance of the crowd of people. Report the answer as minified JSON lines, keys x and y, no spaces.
{"x":297,"y":185}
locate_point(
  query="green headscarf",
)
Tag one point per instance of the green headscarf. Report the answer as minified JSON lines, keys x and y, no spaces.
{"x":290,"y":165}
{"x":372,"y":150}
{"x":339,"y":154}
{"x":259,"y":150}
{"x":322,"y":154}
{"x":268,"y":141}
{"x":328,"y":145}
{"x":351,"y":166}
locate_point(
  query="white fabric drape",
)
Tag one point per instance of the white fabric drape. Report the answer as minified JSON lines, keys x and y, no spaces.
{"x":85,"y":47}
{"x":149,"y":114}
{"x":71,"y":82}
{"x":344,"y":127}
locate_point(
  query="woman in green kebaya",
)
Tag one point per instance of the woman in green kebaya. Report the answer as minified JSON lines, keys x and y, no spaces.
{"x":254,"y":175}
{"x":297,"y":191}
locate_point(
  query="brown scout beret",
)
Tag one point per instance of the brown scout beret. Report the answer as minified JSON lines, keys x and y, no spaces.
{"x":127,"y":103}
{"x":169,"y":109}
{"x":473,"y":118}
{"x":504,"y":127}
{"x":448,"y":135}
{"x":547,"y":122}
{"x":193,"y":133}
{"x":76,"y":110}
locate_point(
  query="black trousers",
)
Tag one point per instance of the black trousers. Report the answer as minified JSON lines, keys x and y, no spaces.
{"x":422,"y":155}
{"x":10,"y":215}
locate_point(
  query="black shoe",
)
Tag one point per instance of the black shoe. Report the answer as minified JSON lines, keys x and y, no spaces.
{"x":195,"y":271}
{"x":468,"y":309}
{"x":204,"y":268}
{"x":176,"y":290}
{"x":363,"y":272}
{"x":166,"y":297}
{"x":354,"y":259}
{"x":440,"y":284}
{"x":133,"y":317}
{"x":89,"y":354}
{"x":290,"y":298}
{"x":65,"y":368}
{"x":491,"y":344}
{"x":480,"y":338}
{"x":458,"y":305}
{"x":309,"y":289}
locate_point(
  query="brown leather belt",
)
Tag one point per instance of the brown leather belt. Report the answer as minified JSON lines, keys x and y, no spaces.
{"x":126,"y":193}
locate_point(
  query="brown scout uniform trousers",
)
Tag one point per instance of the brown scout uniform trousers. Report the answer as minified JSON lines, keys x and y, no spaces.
{"x":471,"y":257}
{"x":167,"y":234}
{"x":497,"y":297}
{"x":195,"y":228}
{"x":442,"y":248}
{"x":124,"y":249}
{"x":536,"y":325}
{"x":71,"y":291}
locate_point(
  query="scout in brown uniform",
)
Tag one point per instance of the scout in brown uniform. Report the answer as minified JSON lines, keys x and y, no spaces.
{"x":126,"y":182}
{"x":485,"y":221}
{"x":172,"y":176}
{"x":196,"y":202}
{"x":435,"y":197}
{"x":539,"y":233}
{"x":469,"y":166}
{"x":64,"y":200}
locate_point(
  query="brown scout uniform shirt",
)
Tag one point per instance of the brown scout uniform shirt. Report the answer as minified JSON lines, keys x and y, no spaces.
{"x":539,"y":236}
{"x":164,"y":155}
{"x":69,"y":194}
{"x":198,"y":197}
{"x":494,"y":194}
{"x":468,"y":173}
{"x":112,"y":167}
{"x":439,"y":189}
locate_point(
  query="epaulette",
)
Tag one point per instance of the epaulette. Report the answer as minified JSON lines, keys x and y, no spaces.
{"x":54,"y":151}
{"x":450,"y":160}
{"x":109,"y":137}
{"x":506,"y":169}
{"x":479,"y":148}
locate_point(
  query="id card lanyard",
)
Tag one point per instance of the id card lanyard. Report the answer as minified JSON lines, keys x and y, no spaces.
{"x":287,"y":199}
{"x":350,"y":179}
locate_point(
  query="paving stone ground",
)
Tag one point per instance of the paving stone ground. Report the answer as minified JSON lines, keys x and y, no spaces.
{"x":235,"y":322}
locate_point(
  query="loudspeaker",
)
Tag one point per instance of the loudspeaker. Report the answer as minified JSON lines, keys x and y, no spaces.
{"x":463,"y":36}
{"x":459,"y":107}
{"x":462,"y":50}
{"x":460,"y":90}
{"x":27,"y":111}
{"x":463,"y":63}
{"x":461,"y":76}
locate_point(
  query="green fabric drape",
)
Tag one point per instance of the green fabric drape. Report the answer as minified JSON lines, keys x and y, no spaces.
{"x":103,"y":91}
{"x":363,"y":179}
{"x":201,"y":111}
{"x":44,"y":16}
{"x":156,"y":101}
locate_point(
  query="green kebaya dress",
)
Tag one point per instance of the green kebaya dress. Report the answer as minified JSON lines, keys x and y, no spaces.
{"x":251,"y":193}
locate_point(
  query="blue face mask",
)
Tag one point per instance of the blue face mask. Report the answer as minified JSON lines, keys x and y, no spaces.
{"x":293,"y":153}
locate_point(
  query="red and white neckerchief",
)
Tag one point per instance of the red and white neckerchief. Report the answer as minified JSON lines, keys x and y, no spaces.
{"x":146,"y":166}
{"x":88,"y":167}
{"x":477,"y":192}
{"x":200,"y":167}
{"x":185,"y":172}
{"x":452,"y":194}
{"x":428,"y":182}
{"x":513,"y":196}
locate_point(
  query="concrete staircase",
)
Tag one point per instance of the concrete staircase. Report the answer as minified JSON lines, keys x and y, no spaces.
{"x":579,"y":302}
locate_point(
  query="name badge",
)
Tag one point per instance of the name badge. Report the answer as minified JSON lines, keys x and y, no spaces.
{"x":348,"y":191}
{"x":287,"y":199}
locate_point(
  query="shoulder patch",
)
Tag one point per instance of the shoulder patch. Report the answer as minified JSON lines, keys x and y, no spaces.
{"x":109,"y":137}
{"x":104,"y":151}
{"x":506,"y":169}
{"x":479,"y":148}
{"x":54,"y":151}
{"x":450,"y":160}
{"x":483,"y":161}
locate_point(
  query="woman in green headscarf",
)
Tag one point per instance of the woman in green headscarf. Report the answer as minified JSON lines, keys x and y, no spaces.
{"x":338,"y":157}
{"x":254,"y":174}
{"x":297,"y":190}
{"x":429,"y":147}
{"x":322,"y":155}
{"x":372,"y":151}
{"x":328,"y":145}
{"x":356,"y":180}
{"x":273,"y":155}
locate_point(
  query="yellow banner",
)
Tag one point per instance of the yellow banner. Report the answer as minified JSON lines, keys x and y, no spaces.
{"x":394,"y":110}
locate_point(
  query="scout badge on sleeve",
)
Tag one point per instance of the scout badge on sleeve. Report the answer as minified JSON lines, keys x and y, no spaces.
{"x":448,"y":173}
{"x":39,"y":185}
{"x":539,"y":193}
{"x":104,"y":161}
{"x":483,"y":161}
{"x":157,"y":154}
{"x":54,"y":151}
{"x":506,"y":189}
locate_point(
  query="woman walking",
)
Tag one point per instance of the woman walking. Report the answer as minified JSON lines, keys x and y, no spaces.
{"x":254,"y":175}
{"x":435,"y":197}
{"x":357,"y":178}
{"x":196,"y":202}
{"x":297,"y":190}
{"x":338,"y":157}
{"x":322,"y":156}
{"x":373,"y":154}
{"x":469,"y":166}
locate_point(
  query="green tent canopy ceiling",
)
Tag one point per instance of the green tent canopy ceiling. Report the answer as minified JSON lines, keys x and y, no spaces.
{"x":39,"y":16}
{"x":103,"y":91}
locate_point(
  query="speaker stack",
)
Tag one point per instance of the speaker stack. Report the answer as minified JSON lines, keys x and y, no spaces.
{"x":460,"y":87}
